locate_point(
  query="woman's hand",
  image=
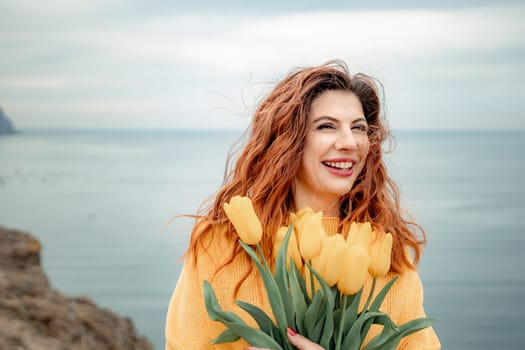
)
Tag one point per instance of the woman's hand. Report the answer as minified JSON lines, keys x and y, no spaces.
{"x":297,"y":340}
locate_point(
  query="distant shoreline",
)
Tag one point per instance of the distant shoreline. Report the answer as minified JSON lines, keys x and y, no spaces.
{"x":6,"y":126}
{"x":404,"y":131}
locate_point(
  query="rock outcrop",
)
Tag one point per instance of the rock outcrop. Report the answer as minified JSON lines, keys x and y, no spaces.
{"x":6,"y":127}
{"x":33,"y":315}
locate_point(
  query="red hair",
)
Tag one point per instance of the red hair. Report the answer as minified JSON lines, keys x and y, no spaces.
{"x":268,"y":163}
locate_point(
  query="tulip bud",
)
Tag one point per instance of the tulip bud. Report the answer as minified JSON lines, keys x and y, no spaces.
{"x":360,"y":234}
{"x":242,"y":215}
{"x":300,"y":218}
{"x":293,"y":250}
{"x":354,"y":270}
{"x":332,"y":253}
{"x":380,"y":255}
{"x":311,"y":236}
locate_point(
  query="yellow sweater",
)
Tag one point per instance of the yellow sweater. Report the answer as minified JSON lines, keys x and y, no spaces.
{"x":188,"y":326}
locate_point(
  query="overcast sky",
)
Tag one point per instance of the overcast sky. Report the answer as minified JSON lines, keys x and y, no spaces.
{"x":191,"y":64}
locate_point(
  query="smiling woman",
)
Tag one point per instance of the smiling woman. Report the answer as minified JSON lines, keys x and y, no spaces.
{"x":334,"y":152}
{"x":314,"y":143}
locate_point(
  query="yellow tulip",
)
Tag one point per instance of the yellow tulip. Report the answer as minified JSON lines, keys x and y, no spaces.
{"x":360,"y":234}
{"x":354,"y":270}
{"x":242,"y":215}
{"x":332,"y":253}
{"x":304,"y":211}
{"x":380,"y":256}
{"x":300,"y":218}
{"x":293,"y":250}
{"x":311,"y":236}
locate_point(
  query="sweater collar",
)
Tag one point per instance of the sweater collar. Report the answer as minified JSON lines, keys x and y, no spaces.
{"x":330,"y":224}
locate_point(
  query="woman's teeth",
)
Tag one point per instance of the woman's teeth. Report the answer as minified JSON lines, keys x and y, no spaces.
{"x":339,"y":165}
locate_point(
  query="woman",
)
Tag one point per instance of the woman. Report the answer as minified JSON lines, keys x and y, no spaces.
{"x":315,"y":141}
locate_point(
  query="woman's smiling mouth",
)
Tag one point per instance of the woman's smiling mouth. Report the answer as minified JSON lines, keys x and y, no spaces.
{"x":340,"y":168}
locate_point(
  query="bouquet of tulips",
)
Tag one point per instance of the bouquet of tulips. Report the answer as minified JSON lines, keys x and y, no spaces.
{"x":316,"y":286}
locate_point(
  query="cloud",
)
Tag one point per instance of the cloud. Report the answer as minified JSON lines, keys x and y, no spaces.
{"x":231,"y":41}
{"x":50,"y":82}
{"x":86,"y":62}
{"x":283,"y":40}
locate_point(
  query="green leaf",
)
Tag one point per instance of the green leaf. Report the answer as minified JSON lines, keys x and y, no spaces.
{"x":281,"y":277}
{"x":351,"y":311}
{"x":416,"y":325}
{"x":298,"y":298}
{"x":312,"y":313}
{"x":388,"y":332}
{"x":233,"y":322}
{"x":264,"y":321}
{"x":352,"y":340}
{"x":327,"y":291}
{"x":271,"y":287}
{"x":328,"y":310}
{"x":328,"y":329}
{"x":391,"y":336}
{"x":253,"y":336}
{"x":318,"y":329}
{"x":376,"y":304}
{"x":213,"y":308}
{"x":228,"y":336}
{"x":302,"y":283}
{"x":272,"y":291}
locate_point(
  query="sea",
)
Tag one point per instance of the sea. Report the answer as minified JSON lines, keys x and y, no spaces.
{"x":102,"y":203}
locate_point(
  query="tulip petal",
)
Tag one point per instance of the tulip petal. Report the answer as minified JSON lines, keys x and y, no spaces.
{"x":355,"y":267}
{"x":360,"y":234}
{"x":380,"y":255}
{"x":333,"y":251}
{"x":311,"y":236}
{"x":242,"y":215}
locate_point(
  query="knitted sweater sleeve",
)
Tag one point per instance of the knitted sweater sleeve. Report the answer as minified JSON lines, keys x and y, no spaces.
{"x":412,"y":290}
{"x":185,"y":322}
{"x":188,"y":326}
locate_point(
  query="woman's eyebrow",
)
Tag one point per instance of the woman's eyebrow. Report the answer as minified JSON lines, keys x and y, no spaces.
{"x":332,"y":119}
{"x":360,"y":120}
{"x":335,"y":120}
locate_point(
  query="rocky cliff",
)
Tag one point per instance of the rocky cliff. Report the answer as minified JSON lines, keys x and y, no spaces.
{"x":6,"y":127}
{"x":33,"y":315}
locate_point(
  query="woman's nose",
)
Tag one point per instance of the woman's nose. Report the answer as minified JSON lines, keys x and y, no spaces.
{"x":346,"y":141}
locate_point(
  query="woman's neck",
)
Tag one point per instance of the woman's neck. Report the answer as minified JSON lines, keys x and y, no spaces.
{"x":328,"y":207}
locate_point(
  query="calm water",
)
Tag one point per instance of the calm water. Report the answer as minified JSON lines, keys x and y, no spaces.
{"x":99,"y":202}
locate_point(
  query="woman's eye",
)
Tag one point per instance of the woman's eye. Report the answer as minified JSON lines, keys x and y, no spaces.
{"x":326,"y":126}
{"x":360,"y":127}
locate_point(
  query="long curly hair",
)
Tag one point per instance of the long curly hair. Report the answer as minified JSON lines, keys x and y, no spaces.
{"x":269,"y":161}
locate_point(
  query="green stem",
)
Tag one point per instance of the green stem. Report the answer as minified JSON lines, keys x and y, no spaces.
{"x":262,"y":257}
{"x":370,"y":295}
{"x":341,"y":324}
{"x":311,"y":280}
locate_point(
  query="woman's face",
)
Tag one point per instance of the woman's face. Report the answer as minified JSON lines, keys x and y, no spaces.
{"x":335,"y":151}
